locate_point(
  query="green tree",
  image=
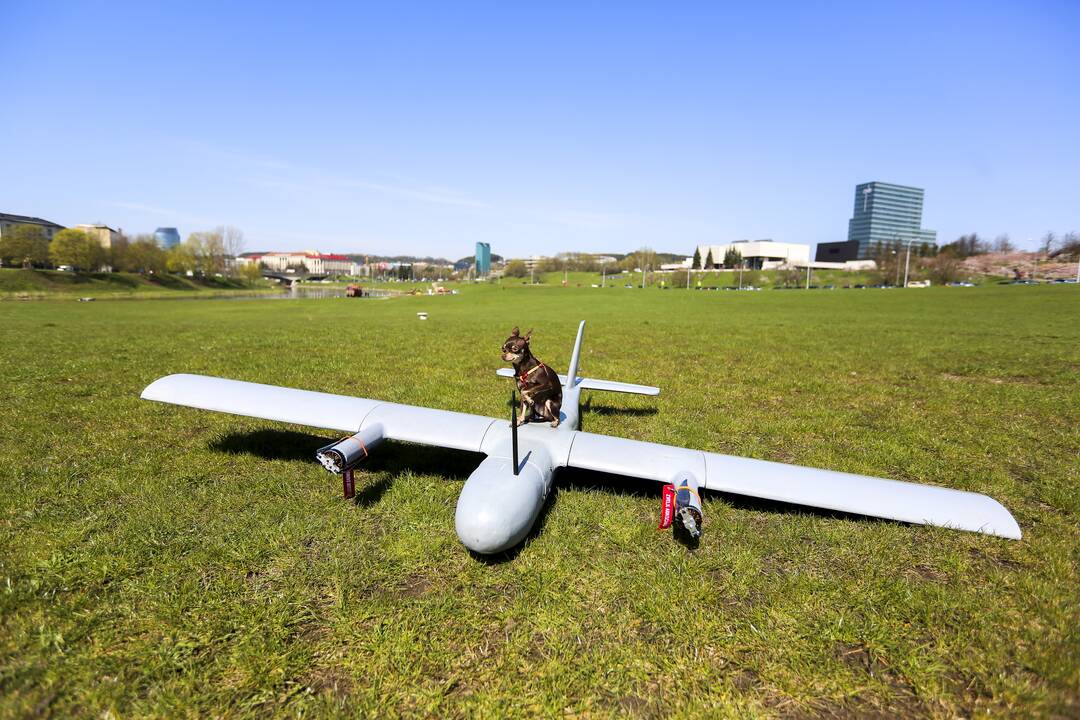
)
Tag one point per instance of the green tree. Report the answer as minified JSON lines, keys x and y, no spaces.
{"x":118,"y":254}
{"x":77,"y":249}
{"x":750,"y":278}
{"x":144,"y":256}
{"x":208,"y":249}
{"x":697,"y":259}
{"x":516,"y":269}
{"x":24,"y":246}
{"x":550,"y":264}
{"x":709,"y":260}
{"x":732,"y":258}
{"x":180,"y":259}
{"x":250,"y":272}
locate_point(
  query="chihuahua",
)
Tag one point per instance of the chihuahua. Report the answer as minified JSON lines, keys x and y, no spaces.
{"x":541,"y":391}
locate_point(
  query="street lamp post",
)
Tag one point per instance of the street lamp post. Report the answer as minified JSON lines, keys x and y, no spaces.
{"x":907,"y":263}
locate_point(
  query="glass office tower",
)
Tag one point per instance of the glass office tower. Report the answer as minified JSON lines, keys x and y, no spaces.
{"x":166,"y":238}
{"x":887,"y":215}
{"x":483,"y":259}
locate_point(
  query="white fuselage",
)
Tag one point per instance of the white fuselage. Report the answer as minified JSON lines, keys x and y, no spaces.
{"x":496,"y":508}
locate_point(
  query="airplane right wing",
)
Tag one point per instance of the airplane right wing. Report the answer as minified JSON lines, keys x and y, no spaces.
{"x":828,"y":489}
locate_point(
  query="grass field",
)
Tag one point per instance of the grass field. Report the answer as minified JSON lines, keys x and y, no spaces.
{"x":163,"y":561}
{"x":40,"y":284}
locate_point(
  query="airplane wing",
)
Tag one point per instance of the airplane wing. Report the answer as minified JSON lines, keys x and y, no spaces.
{"x":427,"y":426}
{"x":828,"y":489}
{"x":907,"y":502}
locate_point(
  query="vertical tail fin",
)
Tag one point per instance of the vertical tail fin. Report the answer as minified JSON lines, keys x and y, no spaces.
{"x":571,"y":373}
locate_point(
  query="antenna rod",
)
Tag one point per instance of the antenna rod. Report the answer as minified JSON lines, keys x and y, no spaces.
{"x":513,"y":427}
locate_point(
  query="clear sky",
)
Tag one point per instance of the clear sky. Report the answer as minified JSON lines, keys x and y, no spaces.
{"x":421,"y":128}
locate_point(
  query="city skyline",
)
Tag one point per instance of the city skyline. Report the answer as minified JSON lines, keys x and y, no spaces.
{"x":424,"y":130}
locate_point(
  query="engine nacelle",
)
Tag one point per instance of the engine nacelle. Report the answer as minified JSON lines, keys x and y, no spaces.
{"x":688,"y":513}
{"x":346,"y":454}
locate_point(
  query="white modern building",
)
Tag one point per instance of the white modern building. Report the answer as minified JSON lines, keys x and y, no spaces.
{"x":757,"y":254}
{"x":309,"y":261}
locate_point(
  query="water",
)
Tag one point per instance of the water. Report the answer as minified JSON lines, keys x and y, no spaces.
{"x":294,"y":293}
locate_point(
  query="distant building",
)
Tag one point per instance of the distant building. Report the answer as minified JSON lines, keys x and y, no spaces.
{"x":104,"y":234}
{"x":7,"y":221}
{"x":483,"y":259}
{"x":886,"y":214}
{"x":837,"y":251}
{"x":532,"y":261}
{"x":166,"y":237}
{"x":308,"y":261}
{"x":757,"y":254}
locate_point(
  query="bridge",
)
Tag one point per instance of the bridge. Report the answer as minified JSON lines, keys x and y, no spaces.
{"x":292,"y":278}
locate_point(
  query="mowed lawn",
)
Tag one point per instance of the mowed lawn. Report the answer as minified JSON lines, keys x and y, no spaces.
{"x":164,"y":561}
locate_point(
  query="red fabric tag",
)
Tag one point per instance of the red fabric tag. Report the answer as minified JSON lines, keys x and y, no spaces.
{"x":667,"y":510}
{"x":348,"y":484}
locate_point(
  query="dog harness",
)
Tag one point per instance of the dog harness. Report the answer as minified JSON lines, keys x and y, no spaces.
{"x":524,"y":377}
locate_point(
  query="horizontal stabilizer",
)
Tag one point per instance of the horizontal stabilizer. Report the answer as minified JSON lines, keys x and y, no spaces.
{"x":613,"y":386}
{"x":593,"y":384}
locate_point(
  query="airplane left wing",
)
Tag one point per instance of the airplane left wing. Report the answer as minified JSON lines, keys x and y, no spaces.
{"x":427,"y":426}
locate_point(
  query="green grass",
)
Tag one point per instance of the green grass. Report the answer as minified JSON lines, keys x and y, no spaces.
{"x":163,"y":561}
{"x":43,"y":284}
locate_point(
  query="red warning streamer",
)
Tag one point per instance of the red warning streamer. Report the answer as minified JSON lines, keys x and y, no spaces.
{"x":667,"y":510}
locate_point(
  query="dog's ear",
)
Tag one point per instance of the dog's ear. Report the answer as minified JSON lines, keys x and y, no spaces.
{"x":528,"y":335}
{"x":515,"y":332}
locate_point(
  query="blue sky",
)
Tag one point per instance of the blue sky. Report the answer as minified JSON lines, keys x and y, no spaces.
{"x":422,"y":128}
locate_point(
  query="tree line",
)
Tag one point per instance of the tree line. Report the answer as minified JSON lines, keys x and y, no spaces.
{"x":1050,"y":245}
{"x":208,"y":252}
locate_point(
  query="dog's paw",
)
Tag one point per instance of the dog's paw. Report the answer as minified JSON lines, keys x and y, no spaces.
{"x":554,"y":423}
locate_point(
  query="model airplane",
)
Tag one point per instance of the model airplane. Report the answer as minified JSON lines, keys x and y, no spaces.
{"x":504,"y":495}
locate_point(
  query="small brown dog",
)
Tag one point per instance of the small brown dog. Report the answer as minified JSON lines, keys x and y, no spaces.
{"x":541,"y":391}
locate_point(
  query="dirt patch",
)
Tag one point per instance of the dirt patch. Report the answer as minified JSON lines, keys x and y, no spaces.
{"x":635,"y":706}
{"x":861,"y":707}
{"x":1011,"y":379}
{"x":855,"y":656}
{"x":1002,"y":563}
{"x":312,"y":632}
{"x":925,"y":573}
{"x":902,"y":703}
{"x":415,"y":586}
{"x":746,"y":680}
{"x":332,"y":680}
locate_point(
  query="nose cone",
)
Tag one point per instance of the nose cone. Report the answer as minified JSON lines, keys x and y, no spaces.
{"x":496,"y":508}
